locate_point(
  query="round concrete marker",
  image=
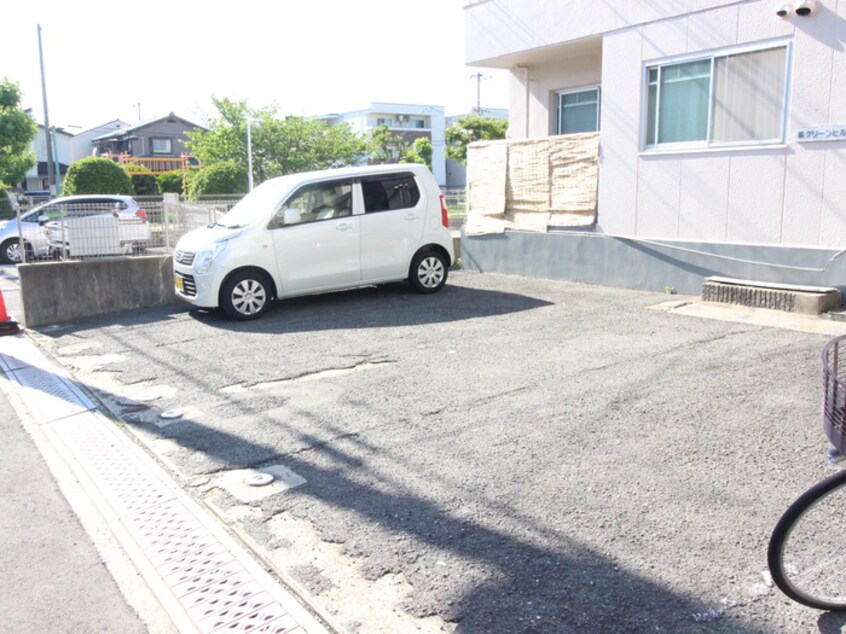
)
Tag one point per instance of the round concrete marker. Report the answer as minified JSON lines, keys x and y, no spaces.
{"x":259,"y":479}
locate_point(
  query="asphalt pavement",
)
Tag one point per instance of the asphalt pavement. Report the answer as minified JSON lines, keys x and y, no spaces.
{"x":508,"y":455}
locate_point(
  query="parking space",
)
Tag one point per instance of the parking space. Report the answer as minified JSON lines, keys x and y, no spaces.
{"x":507,"y":455}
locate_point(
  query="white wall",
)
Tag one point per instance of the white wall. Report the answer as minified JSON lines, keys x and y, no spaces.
{"x":532,"y":105}
{"x":790,"y":195}
{"x":500,"y":28}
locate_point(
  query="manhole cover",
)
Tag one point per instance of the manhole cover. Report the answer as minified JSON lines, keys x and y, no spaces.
{"x":171,"y":414}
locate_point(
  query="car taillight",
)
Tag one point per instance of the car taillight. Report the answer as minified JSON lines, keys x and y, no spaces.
{"x":141,"y":214}
{"x":444,"y":212}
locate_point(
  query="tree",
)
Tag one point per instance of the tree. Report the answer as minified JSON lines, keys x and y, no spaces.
{"x":419,"y":152}
{"x":97,"y":175}
{"x":226,"y":177}
{"x":469,"y":128}
{"x":17,"y":130}
{"x":279,"y":145}
{"x":383,"y":141}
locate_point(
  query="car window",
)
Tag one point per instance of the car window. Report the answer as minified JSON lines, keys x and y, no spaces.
{"x":389,"y":191}
{"x":31,"y":217}
{"x":92,"y":207}
{"x":51,"y":212}
{"x":320,"y":201}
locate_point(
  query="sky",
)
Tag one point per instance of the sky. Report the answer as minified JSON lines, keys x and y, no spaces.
{"x":111,"y":59}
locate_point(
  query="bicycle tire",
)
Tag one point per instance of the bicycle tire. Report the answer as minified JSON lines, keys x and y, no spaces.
{"x":807,"y":550}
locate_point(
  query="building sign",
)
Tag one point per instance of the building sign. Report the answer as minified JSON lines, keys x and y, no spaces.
{"x":822,"y":133}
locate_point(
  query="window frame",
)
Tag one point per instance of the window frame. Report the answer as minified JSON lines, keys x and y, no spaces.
{"x":388,"y":176}
{"x":711,"y":56}
{"x":168,"y":140}
{"x":277,"y":217}
{"x":559,"y":95}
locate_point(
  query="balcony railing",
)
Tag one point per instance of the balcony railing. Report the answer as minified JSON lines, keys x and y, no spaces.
{"x":157,"y":165}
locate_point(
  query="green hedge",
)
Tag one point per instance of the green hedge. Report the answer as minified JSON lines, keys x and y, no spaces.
{"x":170,"y":182}
{"x":143,"y":180}
{"x":95,"y":175}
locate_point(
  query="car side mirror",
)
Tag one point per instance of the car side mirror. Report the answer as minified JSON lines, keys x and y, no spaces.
{"x":292,"y":216}
{"x":43,"y":220}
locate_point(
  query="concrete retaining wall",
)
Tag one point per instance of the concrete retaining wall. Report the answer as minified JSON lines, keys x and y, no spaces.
{"x":55,"y":292}
{"x":654,"y":265}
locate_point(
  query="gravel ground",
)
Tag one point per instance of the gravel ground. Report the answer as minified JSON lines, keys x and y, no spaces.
{"x":515,"y":455}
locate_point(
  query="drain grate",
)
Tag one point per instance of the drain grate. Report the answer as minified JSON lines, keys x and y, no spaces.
{"x":48,"y":396}
{"x":216,"y":583}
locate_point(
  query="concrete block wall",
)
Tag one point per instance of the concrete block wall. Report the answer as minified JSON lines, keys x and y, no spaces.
{"x":56,"y":292}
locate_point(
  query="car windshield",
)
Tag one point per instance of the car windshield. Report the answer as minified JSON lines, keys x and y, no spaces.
{"x":258,"y":205}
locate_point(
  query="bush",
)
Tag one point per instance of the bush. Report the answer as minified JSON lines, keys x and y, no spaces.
{"x":170,"y":183}
{"x":221,"y":178}
{"x":143,"y":180}
{"x":95,"y":175}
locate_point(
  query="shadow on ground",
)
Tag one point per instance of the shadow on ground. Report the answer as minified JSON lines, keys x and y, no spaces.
{"x":539,"y":581}
{"x":389,"y":305}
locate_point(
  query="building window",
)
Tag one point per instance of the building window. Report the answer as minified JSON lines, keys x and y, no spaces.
{"x":578,"y":111}
{"x":388,"y":121}
{"x":731,"y":98}
{"x":418,"y":123}
{"x":161,"y":146}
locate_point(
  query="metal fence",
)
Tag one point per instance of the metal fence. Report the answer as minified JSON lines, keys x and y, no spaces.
{"x":124,"y":226}
{"x":106,"y":226}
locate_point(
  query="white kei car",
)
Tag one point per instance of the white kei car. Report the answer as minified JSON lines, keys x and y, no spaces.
{"x":318,"y":231}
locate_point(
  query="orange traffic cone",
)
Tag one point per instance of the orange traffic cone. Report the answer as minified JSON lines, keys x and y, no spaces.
{"x":7,"y":324}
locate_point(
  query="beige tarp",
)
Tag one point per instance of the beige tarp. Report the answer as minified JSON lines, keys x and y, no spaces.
{"x":531,"y":184}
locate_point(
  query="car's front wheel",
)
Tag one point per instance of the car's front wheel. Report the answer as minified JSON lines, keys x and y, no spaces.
{"x":428,"y":272}
{"x":10,"y":252}
{"x":246,"y":295}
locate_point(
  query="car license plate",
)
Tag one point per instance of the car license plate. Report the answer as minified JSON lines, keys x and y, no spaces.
{"x":178,"y":281}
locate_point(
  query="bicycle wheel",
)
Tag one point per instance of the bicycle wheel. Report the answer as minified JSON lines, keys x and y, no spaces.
{"x":807,"y":551}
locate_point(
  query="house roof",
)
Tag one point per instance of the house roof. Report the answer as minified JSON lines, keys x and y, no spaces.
{"x":112,"y":125}
{"x":122,"y":132}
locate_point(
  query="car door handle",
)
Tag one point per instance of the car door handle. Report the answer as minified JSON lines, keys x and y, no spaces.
{"x":411,"y":216}
{"x":344,"y":226}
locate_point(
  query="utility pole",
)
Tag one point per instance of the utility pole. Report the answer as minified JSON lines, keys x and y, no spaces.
{"x":138,"y":105}
{"x":479,"y":77}
{"x":51,"y":180}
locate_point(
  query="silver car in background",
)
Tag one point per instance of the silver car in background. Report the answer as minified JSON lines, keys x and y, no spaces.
{"x":81,"y":225}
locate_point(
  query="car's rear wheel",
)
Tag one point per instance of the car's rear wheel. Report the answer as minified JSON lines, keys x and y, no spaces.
{"x":428,"y":272}
{"x":246,"y":295}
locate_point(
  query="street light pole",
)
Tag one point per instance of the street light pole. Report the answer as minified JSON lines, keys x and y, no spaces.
{"x":51,"y":180}
{"x":249,"y":158}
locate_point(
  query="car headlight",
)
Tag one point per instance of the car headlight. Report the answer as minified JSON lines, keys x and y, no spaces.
{"x":204,"y":259}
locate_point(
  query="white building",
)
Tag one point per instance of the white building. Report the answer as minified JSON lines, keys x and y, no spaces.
{"x":407,"y":121}
{"x":722,"y":135}
{"x":37,"y":181}
{"x":82,"y":143}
